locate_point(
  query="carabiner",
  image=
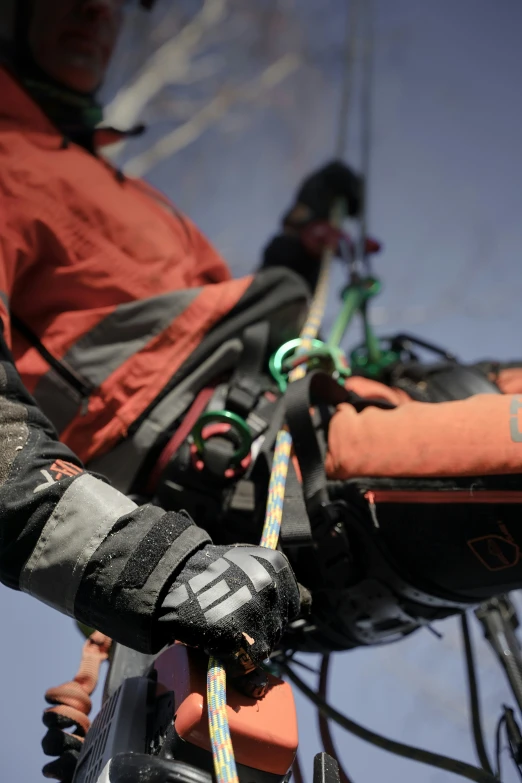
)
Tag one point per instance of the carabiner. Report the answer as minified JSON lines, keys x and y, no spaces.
{"x":283,"y":361}
{"x":237,"y":424}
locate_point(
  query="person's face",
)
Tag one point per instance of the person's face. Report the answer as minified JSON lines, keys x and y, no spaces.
{"x":73,"y":40}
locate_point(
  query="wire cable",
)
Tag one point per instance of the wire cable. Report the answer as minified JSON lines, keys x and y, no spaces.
{"x":352,"y":20}
{"x":498,"y":739}
{"x":398,"y":748}
{"x":366,"y":121}
{"x":297,"y":773}
{"x":324,"y":726}
{"x":473,"y":694}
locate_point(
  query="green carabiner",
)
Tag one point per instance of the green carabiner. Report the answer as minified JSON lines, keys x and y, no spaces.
{"x":238,"y":424}
{"x":360,"y":358}
{"x":277,"y":360}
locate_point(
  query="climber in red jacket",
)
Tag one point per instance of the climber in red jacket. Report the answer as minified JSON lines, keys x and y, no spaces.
{"x":108,"y":294}
{"x":117,"y":317}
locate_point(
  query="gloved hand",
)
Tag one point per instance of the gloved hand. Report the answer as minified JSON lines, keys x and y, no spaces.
{"x":318,"y":192}
{"x":228,"y":598}
{"x":307,"y":229}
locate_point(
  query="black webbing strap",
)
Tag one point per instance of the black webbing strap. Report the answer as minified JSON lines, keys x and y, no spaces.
{"x":244,"y":390}
{"x":300,"y":396}
{"x":63,"y":370}
{"x":314,"y":389}
{"x":217,"y":454}
{"x":263,"y":463}
{"x":296,"y":530}
{"x":245,"y":385}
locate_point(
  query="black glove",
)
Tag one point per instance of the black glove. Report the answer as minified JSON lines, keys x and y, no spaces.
{"x":317,"y":194}
{"x":307,"y":230}
{"x":230,"y":598}
{"x":57,"y":742}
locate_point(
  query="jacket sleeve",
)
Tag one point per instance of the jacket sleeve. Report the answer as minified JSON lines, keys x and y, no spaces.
{"x":73,"y":541}
{"x":66,"y":536}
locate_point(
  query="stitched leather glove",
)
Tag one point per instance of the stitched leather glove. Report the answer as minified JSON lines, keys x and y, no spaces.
{"x":229,"y":598}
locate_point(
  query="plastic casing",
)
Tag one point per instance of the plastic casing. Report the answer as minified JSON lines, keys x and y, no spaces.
{"x":264,"y":732}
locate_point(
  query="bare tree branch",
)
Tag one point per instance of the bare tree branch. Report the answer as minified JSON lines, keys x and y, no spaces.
{"x":171,"y":63}
{"x":211,"y":113}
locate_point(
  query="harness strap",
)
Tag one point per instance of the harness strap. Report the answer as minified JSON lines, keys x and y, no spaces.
{"x":183,"y":431}
{"x":245,"y":386}
{"x":299,"y":398}
{"x":60,"y":367}
{"x":244,"y":390}
{"x":296,"y":530}
{"x":314,"y":389}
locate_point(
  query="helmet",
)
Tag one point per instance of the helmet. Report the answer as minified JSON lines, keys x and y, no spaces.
{"x":8,"y":18}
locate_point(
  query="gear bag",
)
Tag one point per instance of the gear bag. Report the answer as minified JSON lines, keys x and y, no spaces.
{"x":415,"y":508}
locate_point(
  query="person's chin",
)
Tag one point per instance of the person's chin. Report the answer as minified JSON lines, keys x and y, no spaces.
{"x":81,"y":73}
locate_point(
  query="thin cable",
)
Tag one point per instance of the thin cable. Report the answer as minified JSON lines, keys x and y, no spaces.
{"x":474,"y":704}
{"x":500,"y":634}
{"x":515,"y":762}
{"x":366,"y":121}
{"x":502,"y":721}
{"x":498,"y":739}
{"x":352,"y":20}
{"x":398,"y":748}
{"x":311,"y":669}
{"x":324,"y":726}
{"x":297,"y":773}
{"x":513,"y":737}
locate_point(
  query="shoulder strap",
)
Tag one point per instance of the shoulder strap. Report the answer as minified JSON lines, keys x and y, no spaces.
{"x":245,"y":385}
{"x":68,"y":375}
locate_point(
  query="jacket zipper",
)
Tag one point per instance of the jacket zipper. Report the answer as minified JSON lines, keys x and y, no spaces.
{"x":438,"y":497}
{"x":72,"y":379}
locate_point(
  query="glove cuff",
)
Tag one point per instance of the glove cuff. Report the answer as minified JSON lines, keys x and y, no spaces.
{"x":122,"y":599}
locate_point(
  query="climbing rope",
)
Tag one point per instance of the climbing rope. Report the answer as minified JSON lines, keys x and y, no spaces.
{"x":221,"y":741}
{"x":283,"y":444}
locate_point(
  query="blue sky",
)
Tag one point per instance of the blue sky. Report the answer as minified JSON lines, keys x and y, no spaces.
{"x":445,"y":197}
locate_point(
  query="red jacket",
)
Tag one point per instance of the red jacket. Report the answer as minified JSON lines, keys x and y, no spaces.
{"x":117,"y":312}
{"x":104,"y":270}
